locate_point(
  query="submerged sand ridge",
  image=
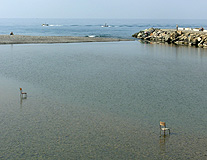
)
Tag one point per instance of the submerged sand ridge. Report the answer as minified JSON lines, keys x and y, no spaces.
{"x":22,"y":39}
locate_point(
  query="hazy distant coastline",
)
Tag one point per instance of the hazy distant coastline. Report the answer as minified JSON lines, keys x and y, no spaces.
{"x":22,"y":39}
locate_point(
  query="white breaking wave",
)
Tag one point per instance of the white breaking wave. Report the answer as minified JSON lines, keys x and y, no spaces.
{"x":53,"y":25}
{"x":92,"y":36}
{"x":105,"y":26}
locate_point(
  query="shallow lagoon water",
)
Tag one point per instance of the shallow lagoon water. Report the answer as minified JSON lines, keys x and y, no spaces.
{"x":102,"y":101}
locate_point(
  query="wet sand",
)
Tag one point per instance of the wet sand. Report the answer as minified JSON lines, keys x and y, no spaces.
{"x":22,"y":39}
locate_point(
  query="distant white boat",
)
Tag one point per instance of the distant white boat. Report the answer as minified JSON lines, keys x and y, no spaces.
{"x":45,"y":24}
{"x":105,"y":25}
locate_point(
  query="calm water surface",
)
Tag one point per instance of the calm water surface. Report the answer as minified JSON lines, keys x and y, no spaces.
{"x":102,"y":101}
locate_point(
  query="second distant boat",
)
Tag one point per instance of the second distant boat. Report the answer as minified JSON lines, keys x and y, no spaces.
{"x":45,"y":24}
{"x":105,"y":25}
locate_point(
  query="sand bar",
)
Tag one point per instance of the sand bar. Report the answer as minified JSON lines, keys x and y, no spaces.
{"x":22,"y":39}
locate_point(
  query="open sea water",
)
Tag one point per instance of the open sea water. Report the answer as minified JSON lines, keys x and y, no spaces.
{"x":118,"y":28}
{"x":101,"y":100}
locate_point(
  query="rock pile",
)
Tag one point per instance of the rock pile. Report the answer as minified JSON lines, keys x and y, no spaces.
{"x":191,"y":38}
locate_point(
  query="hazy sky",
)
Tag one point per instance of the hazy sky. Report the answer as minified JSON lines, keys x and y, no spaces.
{"x":167,"y":9}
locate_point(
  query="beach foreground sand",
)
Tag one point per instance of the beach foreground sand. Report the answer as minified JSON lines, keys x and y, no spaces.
{"x":22,"y":39}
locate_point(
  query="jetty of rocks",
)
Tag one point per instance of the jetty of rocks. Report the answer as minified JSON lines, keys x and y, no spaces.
{"x":178,"y":37}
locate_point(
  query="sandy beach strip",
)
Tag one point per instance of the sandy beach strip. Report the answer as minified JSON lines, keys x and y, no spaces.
{"x":22,"y":39}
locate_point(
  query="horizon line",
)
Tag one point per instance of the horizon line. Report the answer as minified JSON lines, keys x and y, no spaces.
{"x":111,"y":18}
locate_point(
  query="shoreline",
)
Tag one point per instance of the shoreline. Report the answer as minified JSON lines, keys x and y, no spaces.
{"x":23,"y":39}
{"x":173,"y":36}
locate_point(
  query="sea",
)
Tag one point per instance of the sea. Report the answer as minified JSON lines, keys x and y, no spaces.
{"x":117,"y":28}
{"x":101,"y":100}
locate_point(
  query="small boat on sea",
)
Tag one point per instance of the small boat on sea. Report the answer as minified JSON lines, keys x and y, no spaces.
{"x":45,"y":24}
{"x":105,"y":25}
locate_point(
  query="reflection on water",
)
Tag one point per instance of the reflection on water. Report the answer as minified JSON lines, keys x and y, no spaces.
{"x":22,"y":99}
{"x":11,"y":48}
{"x":163,"y":142}
{"x":102,"y":101}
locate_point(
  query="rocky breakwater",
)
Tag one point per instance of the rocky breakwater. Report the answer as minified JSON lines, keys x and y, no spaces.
{"x":178,"y":37}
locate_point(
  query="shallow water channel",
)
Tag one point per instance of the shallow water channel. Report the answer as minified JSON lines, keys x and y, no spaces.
{"x":102,"y":101}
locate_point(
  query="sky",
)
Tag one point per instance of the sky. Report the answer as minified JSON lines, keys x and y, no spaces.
{"x":106,"y":9}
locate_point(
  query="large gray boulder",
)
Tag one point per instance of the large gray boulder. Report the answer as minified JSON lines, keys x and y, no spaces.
{"x":167,"y":38}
